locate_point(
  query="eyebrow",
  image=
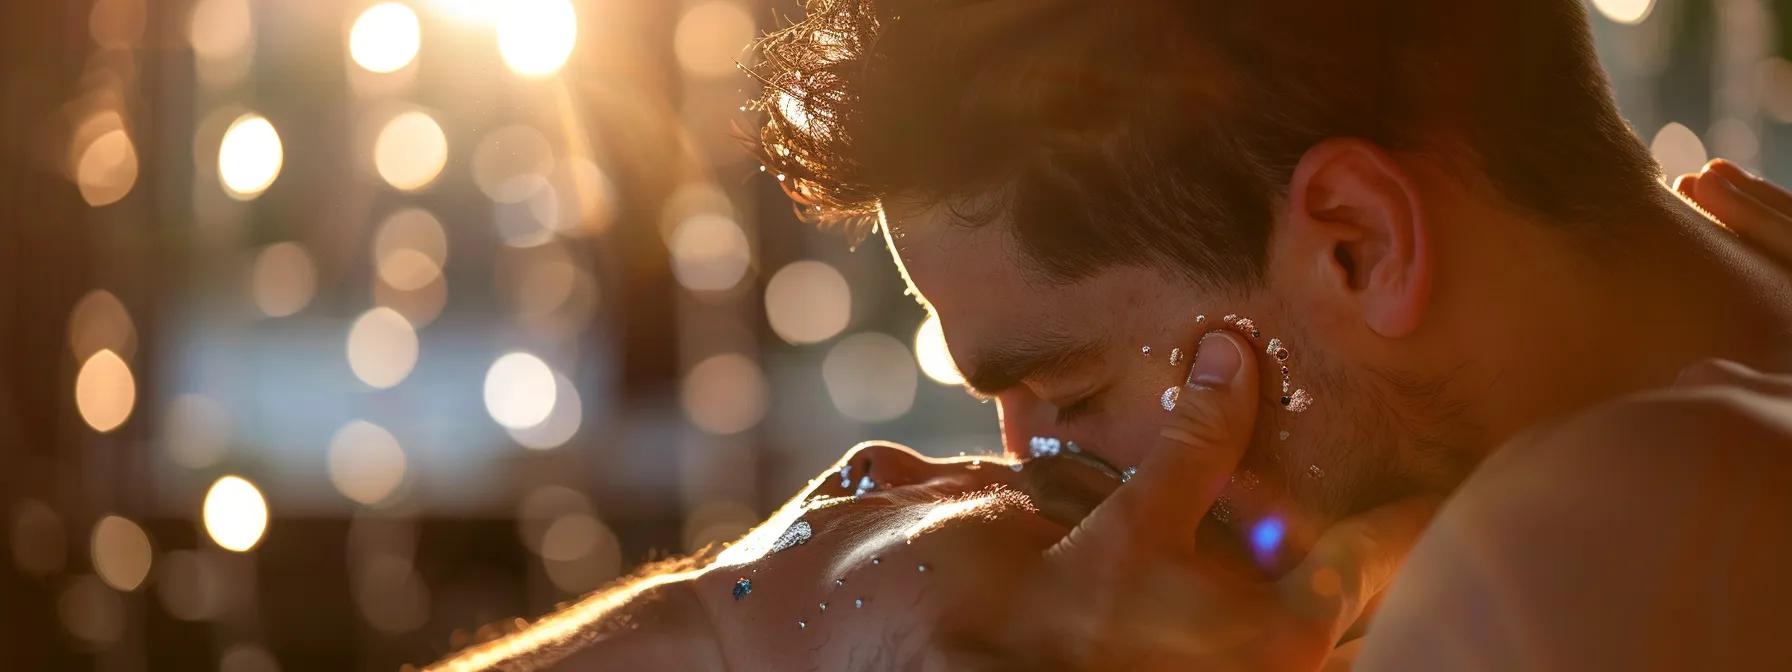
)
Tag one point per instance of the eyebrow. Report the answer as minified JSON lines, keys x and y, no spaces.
{"x":1042,"y":353}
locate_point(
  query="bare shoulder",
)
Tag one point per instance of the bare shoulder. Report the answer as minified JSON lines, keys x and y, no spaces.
{"x":1653,"y":532}
{"x":1701,"y":430}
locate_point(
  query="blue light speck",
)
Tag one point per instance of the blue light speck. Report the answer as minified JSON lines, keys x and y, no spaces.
{"x":1266,"y":536}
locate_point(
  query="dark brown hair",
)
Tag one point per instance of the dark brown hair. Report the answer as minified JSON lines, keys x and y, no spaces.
{"x":1164,"y":131}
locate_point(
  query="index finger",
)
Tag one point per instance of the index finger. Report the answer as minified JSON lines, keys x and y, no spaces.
{"x":1755,"y":209}
{"x":1207,"y":425}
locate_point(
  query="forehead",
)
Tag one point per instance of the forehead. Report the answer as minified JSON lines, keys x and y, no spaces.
{"x":976,"y":279}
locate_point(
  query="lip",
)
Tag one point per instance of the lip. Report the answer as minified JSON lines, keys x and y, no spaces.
{"x":1068,"y":487}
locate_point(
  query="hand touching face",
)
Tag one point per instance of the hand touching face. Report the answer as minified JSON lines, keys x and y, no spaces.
{"x":955,"y":564}
{"x":887,"y":549}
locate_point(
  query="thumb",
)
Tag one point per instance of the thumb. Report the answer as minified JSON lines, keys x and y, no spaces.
{"x":1203,"y":436}
{"x":1354,"y":561}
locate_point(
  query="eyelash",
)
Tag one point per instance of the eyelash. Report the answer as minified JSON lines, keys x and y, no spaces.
{"x":1076,"y":409}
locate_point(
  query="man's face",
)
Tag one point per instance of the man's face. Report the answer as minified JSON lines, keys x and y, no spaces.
{"x":1068,"y":360}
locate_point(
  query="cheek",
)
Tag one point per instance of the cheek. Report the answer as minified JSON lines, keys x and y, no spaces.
{"x":1128,"y":432}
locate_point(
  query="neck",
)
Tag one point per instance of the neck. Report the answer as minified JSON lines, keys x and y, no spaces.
{"x":1593,"y":324}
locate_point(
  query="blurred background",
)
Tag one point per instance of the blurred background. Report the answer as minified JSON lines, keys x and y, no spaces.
{"x":331,"y":331}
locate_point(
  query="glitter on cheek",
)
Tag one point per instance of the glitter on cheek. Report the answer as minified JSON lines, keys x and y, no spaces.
{"x":1222,"y":510}
{"x":1300,"y":401}
{"x":1171,"y":395}
{"x":1146,"y":351}
{"x":742,"y":587}
{"x":1175,"y":356}
{"x":1246,"y":479}
{"x":1314,"y":472}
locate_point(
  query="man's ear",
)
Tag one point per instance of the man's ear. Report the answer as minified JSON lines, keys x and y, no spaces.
{"x":1354,"y":213}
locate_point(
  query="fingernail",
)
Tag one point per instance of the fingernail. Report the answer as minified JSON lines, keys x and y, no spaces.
{"x":1728,"y":171}
{"x":1217,"y":361}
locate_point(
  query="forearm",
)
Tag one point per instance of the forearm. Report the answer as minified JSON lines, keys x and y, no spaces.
{"x":653,"y":622}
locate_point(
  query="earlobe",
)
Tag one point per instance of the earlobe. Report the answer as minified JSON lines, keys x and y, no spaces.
{"x":1361,"y":213}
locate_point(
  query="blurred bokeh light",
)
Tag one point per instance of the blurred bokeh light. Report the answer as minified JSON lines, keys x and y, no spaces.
{"x":382,"y":347}
{"x":519,"y":390}
{"x":235,"y":513}
{"x":98,"y":322}
{"x":410,"y":151}
{"x":1678,"y":150}
{"x":385,"y":37}
{"x":108,"y":168}
{"x":250,"y":157}
{"x":709,"y":253}
{"x":932,"y":355}
{"x":536,"y":36}
{"x":105,"y":391}
{"x":807,"y":302}
{"x":711,"y":36}
{"x":870,"y":377}
{"x":366,"y":462}
{"x":223,"y":39}
{"x":121,"y":552}
{"x":1625,"y":11}
{"x":725,"y":394}
{"x":283,"y":280}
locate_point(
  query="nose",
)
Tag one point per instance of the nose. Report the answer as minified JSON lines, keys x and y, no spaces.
{"x":879,"y":466}
{"x":1023,"y":416}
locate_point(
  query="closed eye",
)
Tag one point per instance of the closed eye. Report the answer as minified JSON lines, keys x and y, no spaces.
{"x":1075,"y":410}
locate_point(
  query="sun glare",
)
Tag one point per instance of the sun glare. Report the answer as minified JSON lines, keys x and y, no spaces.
{"x":535,"y":37}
